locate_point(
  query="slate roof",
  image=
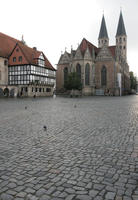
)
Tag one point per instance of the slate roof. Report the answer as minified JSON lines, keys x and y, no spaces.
{"x":103,"y":31}
{"x":7,"y":44}
{"x":121,"y":27}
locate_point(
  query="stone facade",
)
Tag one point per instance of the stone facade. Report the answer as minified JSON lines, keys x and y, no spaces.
{"x":3,"y":71}
{"x":99,"y":67}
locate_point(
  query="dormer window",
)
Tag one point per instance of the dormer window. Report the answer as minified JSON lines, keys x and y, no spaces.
{"x":41,"y":60}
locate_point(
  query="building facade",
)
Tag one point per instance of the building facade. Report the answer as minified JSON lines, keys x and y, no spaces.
{"x":24,"y":71}
{"x":103,"y":70}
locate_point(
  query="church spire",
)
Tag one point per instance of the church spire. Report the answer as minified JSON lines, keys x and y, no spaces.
{"x":121,"y":27}
{"x":103,"y":35}
{"x":121,"y":38}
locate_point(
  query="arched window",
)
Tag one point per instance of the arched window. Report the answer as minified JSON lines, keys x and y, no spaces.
{"x":87,"y":74}
{"x":78,"y":70}
{"x":65,"y":74}
{"x":103,"y":76}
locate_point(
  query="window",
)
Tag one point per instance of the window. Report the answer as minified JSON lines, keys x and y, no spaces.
{"x":48,"y":89}
{"x":39,"y":89}
{"x":14,"y":59}
{"x":17,"y":49}
{"x":124,"y":47}
{"x":78,"y":70}
{"x":120,"y":39}
{"x":5,"y":62}
{"x":65,"y":74}
{"x":0,"y":75}
{"x":124,"y":39}
{"x":20,"y":59}
{"x":103,"y":76}
{"x":120,"y":47}
{"x":87,"y":74}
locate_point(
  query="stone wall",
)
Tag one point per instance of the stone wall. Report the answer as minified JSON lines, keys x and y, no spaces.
{"x":3,"y":71}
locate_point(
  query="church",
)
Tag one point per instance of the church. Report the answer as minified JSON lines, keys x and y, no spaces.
{"x":103,"y":70}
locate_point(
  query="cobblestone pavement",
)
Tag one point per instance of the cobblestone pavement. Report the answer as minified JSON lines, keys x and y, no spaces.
{"x":89,"y":151}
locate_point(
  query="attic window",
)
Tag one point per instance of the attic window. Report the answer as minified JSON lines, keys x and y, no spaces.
{"x":14,"y":59}
{"x":20,"y":59}
{"x":17,"y":50}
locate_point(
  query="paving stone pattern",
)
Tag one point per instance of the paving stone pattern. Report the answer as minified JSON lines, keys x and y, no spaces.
{"x":89,"y":151}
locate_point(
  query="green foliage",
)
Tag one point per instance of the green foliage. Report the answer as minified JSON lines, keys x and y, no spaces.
{"x":73,"y":82}
{"x":133,"y":80}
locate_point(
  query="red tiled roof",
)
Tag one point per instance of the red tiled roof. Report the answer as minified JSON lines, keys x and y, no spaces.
{"x":84,"y":44}
{"x":7,"y":44}
{"x":112,"y":49}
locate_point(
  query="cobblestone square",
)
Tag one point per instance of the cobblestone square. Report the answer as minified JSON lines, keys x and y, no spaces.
{"x":88,"y":152}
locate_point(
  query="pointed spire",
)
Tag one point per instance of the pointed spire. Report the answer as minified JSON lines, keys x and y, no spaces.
{"x":121,"y":27}
{"x":103,"y":30}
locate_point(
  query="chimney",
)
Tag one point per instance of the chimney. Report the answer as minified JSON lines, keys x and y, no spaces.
{"x":35,"y":48}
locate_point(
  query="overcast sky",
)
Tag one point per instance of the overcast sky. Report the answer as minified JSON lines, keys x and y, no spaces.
{"x":52,"y":25}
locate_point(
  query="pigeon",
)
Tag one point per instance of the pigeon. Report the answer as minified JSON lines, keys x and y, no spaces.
{"x":45,"y":128}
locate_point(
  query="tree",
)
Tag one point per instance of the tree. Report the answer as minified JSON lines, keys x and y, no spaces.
{"x":73,"y":82}
{"x":133,"y":81}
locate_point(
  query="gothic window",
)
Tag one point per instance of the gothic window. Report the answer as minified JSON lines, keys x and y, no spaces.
{"x":87,"y":74}
{"x":65,"y":74}
{"x":120,"y":39}
{"x":103,"y":76}
{"x":78,"y":70}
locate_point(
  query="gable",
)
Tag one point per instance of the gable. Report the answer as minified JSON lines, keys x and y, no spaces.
{"x":87,"y":55}
{"x":41,"y":57}
{"x":104,"y":54}
{"x":17,"y":57}
{"x":64,"y":58}
{"x":78,"y":55}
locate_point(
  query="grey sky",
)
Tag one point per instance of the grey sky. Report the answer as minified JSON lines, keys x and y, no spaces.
{"x":52,"y":25}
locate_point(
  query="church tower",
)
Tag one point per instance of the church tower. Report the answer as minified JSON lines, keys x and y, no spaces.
{"x":103,"y":36}
{"x":121,"y":38}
